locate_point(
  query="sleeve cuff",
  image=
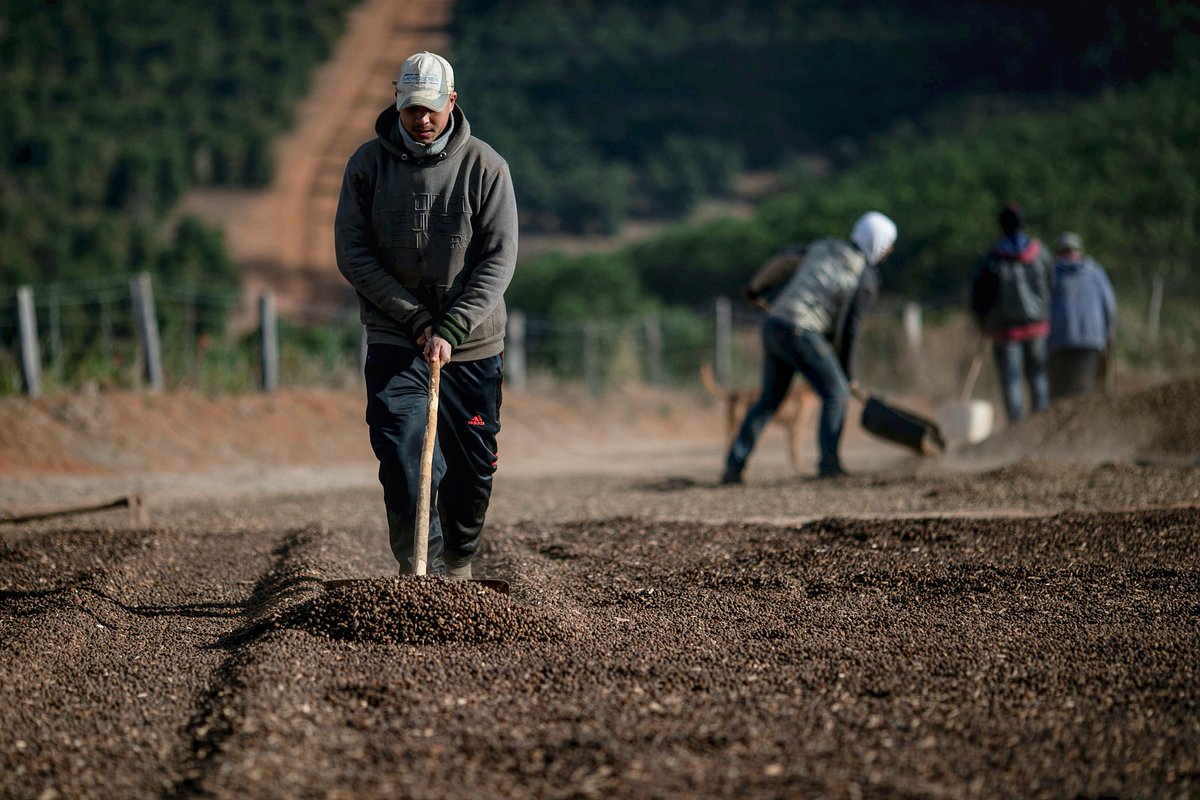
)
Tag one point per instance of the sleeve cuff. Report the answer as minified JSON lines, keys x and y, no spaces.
{"x":418,"y":321}
{"x":452,"y":332}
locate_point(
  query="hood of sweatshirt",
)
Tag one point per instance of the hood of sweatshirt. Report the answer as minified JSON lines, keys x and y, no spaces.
{"x":873,"y":234}
{"x":1017,"y":248}
{"x":387,"y":128}
{"x":1068,"y":268}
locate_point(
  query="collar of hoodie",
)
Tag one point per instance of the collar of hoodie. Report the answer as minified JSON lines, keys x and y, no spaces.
{"x":434,"y":148}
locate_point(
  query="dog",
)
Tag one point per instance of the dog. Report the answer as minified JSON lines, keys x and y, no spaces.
{"x":793,"y":414}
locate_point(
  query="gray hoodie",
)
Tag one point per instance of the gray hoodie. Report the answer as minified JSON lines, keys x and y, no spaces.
{"x":429,"y":240}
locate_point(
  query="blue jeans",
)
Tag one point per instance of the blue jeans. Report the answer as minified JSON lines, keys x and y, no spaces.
{"x":1014,"y":359}
{"x":786,"y":351}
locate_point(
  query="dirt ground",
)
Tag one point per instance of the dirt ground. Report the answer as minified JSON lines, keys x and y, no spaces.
{"x":1018,"y":619}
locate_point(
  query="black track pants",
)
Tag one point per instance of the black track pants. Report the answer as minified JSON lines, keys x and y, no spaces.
{"x":463,"y":462}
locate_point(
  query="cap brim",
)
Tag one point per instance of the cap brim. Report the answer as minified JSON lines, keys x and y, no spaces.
{"x":434,"y":102}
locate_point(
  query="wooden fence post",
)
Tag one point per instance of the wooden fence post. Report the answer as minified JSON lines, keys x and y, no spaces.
{"x":1156,"y":299}
{"x":723,"y":349}
{"x":147,"y":327}
{"x":269,"y":330}
{"x":913,"y":339}
{"x":591,"y":366}
{"x":514,"y":351}
{"x":654,"y":350}
{"x":31,"y":359}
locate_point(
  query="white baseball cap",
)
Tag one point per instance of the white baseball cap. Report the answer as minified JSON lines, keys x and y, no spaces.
{"x":426,"y":79}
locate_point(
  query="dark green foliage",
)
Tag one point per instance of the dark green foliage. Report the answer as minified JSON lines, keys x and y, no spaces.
{"x":588,"y":287}
{"x":933,"y":112}
{"x":195,"y":254}
{"x":673,"y":100}
{"x":1122,"y":169}
{"x":690,"y":266}
{"x":319,"y":355}
{"x":113,"y":108}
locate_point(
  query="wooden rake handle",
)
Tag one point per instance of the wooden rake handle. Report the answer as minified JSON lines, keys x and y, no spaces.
{"x":421,"y":543}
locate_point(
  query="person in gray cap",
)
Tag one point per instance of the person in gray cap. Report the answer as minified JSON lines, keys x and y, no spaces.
{"x":1083,"y":318}
{"x":426,"y":233}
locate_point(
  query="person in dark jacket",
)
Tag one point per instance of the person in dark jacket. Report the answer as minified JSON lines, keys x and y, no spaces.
{"x":824,"y":291}
{"x":1083,"y":314}
{"x":426,"y":233}
{"x":1010,"y":299}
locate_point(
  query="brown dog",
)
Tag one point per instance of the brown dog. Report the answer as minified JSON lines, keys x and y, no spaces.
{"x":793,"y":413}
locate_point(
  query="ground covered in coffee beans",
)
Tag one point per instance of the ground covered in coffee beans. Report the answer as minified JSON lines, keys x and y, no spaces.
{"x":413,"y":610}
{"x":1021,"y":620}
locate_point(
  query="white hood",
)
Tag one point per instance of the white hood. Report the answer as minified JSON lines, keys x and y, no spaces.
{"x":873,"y":234}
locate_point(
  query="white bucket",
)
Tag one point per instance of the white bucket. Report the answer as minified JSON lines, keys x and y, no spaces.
{"x":965,"y":422}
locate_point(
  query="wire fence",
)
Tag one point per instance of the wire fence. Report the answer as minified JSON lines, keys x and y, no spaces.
{"x":121,"y":333}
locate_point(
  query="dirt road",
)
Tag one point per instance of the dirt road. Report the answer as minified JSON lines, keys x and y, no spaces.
{"x":281,"y":238}
{"x":1018,"y":620}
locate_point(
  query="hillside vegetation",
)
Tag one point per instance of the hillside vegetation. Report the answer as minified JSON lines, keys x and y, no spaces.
{"x":605,"y":110}
{"x":113,"y":108}
{"x":1122,"y":169}
{"x":619,"y":110}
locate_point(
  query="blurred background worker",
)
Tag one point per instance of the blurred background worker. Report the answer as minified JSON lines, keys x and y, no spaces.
{"x":1083,"y":319}
{"x":1010,"y":298}
{"x":426,"y":233}
{"x":812,"y":327}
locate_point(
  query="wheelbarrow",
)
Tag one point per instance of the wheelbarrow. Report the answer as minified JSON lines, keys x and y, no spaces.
{"x":899,"y":426}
